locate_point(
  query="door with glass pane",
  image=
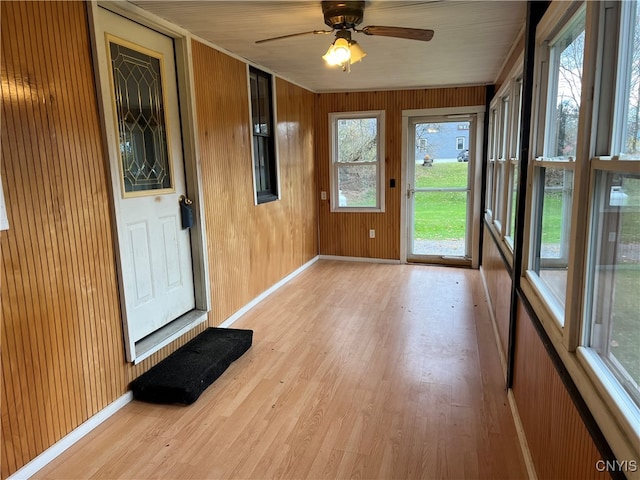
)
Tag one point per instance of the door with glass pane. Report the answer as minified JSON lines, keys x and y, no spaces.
{"x":439,"y":189}
{"x":140,"y":98}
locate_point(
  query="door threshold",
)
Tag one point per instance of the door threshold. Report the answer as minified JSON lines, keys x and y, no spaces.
{"x":442,"y":261}
{"x":162,"y":337}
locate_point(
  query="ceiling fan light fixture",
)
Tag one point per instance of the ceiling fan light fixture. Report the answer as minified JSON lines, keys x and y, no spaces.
{"x":357,"y":53}
{"x":339,"y":52}
{"x":344,"y":51}
{"x":343,"y":17}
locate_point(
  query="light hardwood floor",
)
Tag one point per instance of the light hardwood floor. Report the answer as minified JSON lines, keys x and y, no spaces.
{"x":357,"y":370}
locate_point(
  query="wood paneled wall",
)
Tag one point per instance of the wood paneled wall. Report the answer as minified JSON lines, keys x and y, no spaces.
{"x":251,"y":246}
{"x":560,"y":445}
{"x":498,"y":284}
{"x":61,"y":347}
{"x":347,"y":234}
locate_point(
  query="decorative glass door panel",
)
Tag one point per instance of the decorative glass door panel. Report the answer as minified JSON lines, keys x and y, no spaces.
{"x":140,"y":110}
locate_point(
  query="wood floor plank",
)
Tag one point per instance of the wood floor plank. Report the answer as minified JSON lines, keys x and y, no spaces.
{"x":357,"y":370}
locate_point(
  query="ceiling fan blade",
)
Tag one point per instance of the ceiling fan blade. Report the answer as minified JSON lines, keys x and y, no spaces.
{"x":399,"y":32}
{"x":281,"y":37}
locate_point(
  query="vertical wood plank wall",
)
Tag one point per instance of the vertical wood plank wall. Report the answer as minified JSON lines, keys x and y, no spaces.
{"x":560,"y":444}
{"x":251,"y":247}
{"x":61,"y":346}
{"x":62,"y":351}
{"x":347,"y":234}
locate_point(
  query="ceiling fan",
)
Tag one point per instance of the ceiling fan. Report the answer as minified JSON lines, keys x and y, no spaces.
{"x":343,"y":17}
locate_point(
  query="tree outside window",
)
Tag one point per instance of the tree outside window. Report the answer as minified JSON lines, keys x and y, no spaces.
{"x":357,"y":161}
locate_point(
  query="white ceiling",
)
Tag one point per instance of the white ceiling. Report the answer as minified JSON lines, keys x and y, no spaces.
{"x":471,"y":43}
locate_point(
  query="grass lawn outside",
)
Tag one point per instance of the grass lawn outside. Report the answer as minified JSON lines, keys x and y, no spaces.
{"x":624,"y":302}
{"x":625,"y":331}
{"x":440,"y":215}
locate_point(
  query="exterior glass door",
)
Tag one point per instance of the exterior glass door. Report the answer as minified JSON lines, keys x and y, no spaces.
{"x":439,"y":189}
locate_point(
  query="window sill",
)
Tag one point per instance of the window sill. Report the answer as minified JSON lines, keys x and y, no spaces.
{"x":501,"y":242}
{"x":266,"y":199}
{"x":618,"y":420}
{"x":357,"y":210}
{"x":546,"y":301}
{"x":622,"y":407}
{"x":550,"y":314}
{"x":628,"y":412}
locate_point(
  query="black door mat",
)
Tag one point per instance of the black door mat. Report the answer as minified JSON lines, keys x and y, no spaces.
{"x":187,"y":372}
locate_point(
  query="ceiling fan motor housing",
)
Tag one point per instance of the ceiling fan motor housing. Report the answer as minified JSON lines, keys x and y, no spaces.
{"x":342,"y":15}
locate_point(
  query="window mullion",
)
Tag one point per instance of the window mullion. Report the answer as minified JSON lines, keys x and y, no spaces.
{"x":536,"y":214}
{"x":579,"y":233}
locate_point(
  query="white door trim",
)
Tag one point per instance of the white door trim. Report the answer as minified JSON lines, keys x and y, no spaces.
{"x":136,"y":352}
{"x":475,"y":172}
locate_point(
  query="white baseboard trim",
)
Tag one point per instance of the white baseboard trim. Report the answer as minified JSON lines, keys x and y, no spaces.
{"x":64,"y":443}
{"x":359,"y":259}
{"x":492,"y":315}
{"x":229,"y":321}
{"x":522,"y":438}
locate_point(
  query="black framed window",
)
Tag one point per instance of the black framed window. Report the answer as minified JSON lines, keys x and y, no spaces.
{"x":264,"y":156}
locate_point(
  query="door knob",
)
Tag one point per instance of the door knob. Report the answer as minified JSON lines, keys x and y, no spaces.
{"x":410,"y":190}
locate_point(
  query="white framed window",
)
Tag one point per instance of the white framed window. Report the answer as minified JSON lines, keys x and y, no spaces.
{"x":501,"y":127}
{"x":460,"y":143}
{"x":512,"y":198}
{"x":357,"y":161}
{"x":613,"y":308}
{"x":493,"y":126}
{"x":491,"y":164}
{"x":490,"y":190}
{"x":502,"y":137}
{"x":551,"y":211}
{"x":612,"y":304}
{"x":514,"y":160}
{"x":564,"y":90}
{"x":503,"y":162}
{"x":505,"y":127}
{"x":499,"y":186}
{"x":626,"y":130}
{"x":553,"y":168}
{"x":582,"y":222}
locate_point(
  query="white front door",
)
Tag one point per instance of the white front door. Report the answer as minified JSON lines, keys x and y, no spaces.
{"x":143,"y":131}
